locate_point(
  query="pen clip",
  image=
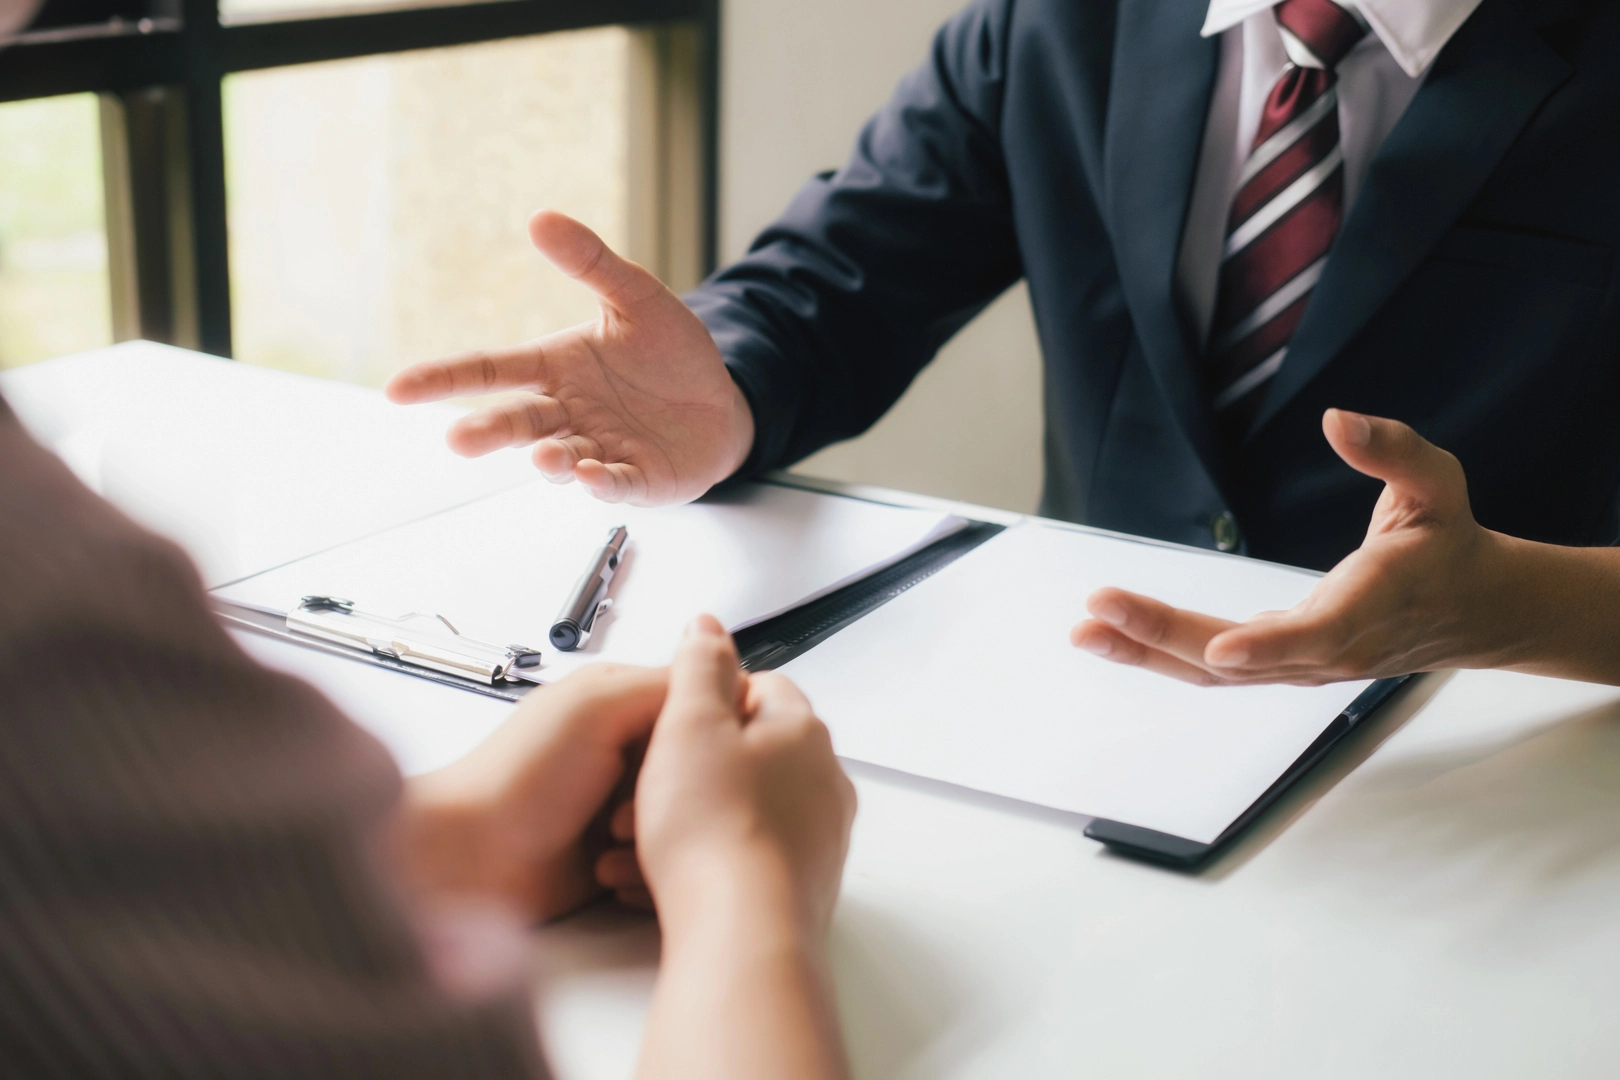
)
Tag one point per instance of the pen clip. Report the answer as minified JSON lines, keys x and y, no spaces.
{"x":589,"y":625}
{"x":334,"y":619}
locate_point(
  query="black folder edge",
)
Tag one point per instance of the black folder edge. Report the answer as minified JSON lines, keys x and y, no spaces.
{"x":1180,"y":853}
{"x":770,"y":644}
{"x":241,"y":617}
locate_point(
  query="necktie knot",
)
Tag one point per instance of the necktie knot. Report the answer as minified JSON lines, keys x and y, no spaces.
{"x":1319,"y":33}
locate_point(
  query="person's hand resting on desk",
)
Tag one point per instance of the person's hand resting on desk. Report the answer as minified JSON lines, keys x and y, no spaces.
{"x":742,"y":821}
{"x":524,"y":816}
{"x":1429,"y":588}
{"x":637,"y":406}
{"x":738,"y":830}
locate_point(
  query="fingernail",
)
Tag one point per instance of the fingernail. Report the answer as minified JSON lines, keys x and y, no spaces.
{"x":1098,"y":644}
{"x":1356,"y":429}
{"x":1110,"y":612}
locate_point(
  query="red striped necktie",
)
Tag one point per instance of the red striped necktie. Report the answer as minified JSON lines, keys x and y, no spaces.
{"x":1289,"y":202}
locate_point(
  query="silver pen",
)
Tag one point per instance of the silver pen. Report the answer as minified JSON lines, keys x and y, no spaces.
{"x":574,"y":623}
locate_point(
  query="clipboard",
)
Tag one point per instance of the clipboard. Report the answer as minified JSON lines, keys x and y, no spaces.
{"x":426,"y":646}
{"x":335,"y":626}
{"x":747,"y":555}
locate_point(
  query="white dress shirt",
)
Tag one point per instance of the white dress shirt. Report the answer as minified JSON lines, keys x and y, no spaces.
{"x":1376,"y":82}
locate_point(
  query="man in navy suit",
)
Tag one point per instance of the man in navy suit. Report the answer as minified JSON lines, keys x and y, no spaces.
{"x":1232,"y":215}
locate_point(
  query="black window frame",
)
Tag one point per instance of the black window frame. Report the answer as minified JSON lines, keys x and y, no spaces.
{"x":169,"y":74}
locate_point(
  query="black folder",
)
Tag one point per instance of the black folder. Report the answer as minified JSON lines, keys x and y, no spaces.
{"x":776,"y":641}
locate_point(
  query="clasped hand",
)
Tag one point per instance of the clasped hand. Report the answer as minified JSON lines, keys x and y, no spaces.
{"x":738,"y":785}
{"x":1422,"y":592}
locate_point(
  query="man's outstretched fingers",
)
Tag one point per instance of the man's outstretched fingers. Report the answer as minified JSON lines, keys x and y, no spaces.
{"x":614,"y":483}
{"x":1102,"y":640}
{"x":465,"y":374}
{"x":1390,"y":451}
{"x":517,"y":421}
{"x":1155,"y":624}
{"x":557,"y":457}
{"x":574,"y":249}
{"x":1280,"y":642}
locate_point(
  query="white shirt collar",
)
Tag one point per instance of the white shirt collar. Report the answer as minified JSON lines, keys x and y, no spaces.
{"x":1414,"y":31}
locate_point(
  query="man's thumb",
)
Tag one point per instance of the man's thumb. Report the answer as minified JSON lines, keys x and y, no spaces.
{"x":1390,"y":451}
{"x":703,"y":680}
{"x":578,"y":252}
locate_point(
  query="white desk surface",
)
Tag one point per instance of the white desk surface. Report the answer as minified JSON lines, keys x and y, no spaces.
{"x":1442,"y":900}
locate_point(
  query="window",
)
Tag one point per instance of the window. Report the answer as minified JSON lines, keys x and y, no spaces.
{"x":54,"y":294}
{"x":340,"y":188}
{"x":377,"y":206}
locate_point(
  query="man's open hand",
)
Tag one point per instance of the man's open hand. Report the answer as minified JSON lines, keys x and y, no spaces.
{"x":637,"y":406}
{"x":1414,"y":597}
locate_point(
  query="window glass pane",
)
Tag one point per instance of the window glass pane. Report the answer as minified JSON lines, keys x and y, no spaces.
{"x":378,"y":206}
{"x":54,"y":296}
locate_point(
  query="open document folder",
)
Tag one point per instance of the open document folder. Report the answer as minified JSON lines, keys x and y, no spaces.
{"x":969,"y":678}
{"x":500,"y":569}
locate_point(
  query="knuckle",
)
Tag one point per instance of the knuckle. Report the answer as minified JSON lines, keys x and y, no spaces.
{"x":538,"y":418}
{"x":1405,"y":440}
{"x":1127,"y":651}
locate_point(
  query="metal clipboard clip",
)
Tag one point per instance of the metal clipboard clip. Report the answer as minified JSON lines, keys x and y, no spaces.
{"x":416,"y":638}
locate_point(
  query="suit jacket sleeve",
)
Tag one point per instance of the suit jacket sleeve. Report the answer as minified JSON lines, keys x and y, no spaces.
{"x":193,"y":879}
{"x":847,"y":296}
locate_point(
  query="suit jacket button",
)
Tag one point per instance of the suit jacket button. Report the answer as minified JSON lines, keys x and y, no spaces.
{"x":1224,"y":528}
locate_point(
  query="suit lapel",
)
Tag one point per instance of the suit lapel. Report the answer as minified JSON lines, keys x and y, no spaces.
{"x":1485,"y":86}
{"x":1158,"y":101}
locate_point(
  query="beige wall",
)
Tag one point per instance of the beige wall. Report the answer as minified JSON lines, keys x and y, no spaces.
{"x":797,"y":81}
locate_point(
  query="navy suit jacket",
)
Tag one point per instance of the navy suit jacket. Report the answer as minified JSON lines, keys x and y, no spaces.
{"x":1471,"y":291}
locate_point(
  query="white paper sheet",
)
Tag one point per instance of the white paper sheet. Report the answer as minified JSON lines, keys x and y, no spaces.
{"x":970,"y":678}
{"x":501,"y":568}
